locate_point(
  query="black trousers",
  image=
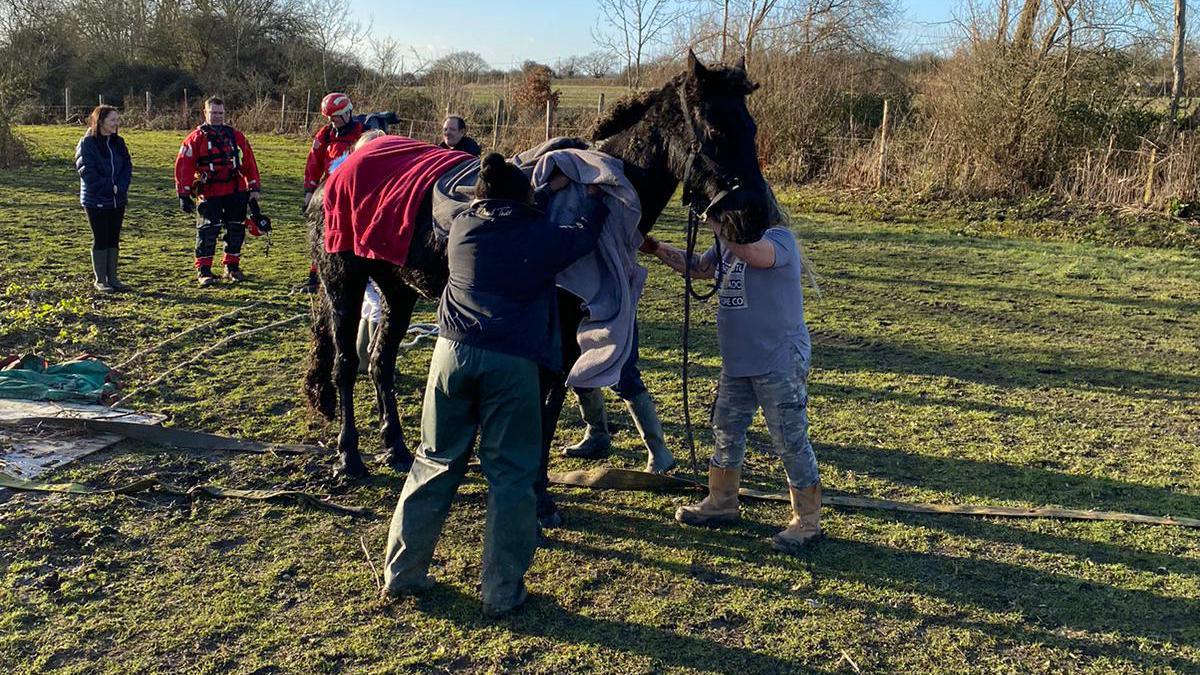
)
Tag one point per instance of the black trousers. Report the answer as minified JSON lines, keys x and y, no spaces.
{"x":106,"y":226}
{"x":215,"y":213}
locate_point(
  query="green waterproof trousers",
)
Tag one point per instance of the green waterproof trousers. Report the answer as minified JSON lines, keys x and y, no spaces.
{"x":472,"y":390}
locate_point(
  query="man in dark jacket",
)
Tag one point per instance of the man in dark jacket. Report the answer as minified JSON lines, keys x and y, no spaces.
{"x":498,"y":324}
{"x":454,"y":136}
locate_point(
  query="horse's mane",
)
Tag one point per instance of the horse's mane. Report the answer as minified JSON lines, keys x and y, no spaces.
{"x":632,"y":109}
{"x":627,"y":112}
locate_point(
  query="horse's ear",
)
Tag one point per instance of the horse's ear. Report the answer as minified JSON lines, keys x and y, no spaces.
{"x":694,"y":67}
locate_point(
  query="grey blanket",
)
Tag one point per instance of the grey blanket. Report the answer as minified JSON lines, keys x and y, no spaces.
{"x":608,"y":281}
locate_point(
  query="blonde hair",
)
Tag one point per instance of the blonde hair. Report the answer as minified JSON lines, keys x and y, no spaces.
{"x":367,"y":136}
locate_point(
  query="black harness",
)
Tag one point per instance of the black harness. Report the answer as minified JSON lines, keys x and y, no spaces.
{"x":697,"y":158}
{"x":223,"y":157}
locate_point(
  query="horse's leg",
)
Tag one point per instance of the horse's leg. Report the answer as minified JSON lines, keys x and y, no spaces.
{"x":554,"y":394}
{"x":345,"y":284}
{"x":398,"y":302}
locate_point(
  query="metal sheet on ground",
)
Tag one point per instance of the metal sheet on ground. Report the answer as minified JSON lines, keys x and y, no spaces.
{"x":29,"y":454}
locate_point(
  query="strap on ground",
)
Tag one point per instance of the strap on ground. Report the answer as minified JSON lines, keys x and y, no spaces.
{"x":168,"y":436}
{"x":154,"y":483}
{"x":625,"y":479}
{"x":605,"y":478}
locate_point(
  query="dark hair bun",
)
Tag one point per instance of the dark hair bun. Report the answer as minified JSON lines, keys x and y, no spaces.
{"x":498,"y":179}
{"x":492,"y":163}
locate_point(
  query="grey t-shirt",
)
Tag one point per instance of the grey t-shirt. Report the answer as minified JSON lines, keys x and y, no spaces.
{"x":760,"y":318}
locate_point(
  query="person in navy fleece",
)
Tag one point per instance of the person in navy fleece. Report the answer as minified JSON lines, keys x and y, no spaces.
{"x":498,"y":324}
{"x":105,"y":171}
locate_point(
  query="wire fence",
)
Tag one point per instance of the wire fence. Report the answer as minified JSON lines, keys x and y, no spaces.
{"x":1150,"y":174}
{"x":493,"y":124}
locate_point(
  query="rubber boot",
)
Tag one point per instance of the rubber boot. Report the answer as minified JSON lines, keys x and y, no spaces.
{"x":204,"y":276}
{"x":113,"y":254}
{"x":233,"y":272}
{"x":721,"y":504}
{"x":805,"y":526}
{"x":596,"y":443}
{"x":658,"y":459}
{"x":365,"y":332}
{"x":310,"y":286}
{"x":100,"y":270}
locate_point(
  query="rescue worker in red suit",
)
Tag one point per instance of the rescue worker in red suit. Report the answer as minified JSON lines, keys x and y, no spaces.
{"x":331,"y":142}
{"x":216,"y":164}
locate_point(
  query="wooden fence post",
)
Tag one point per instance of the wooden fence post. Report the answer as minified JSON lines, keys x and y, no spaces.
{"x":66,"y":104}
{"x":549,"y":113}
{"x":307,"y":108}
{"x":1107,"y":156}
{"x":186,"y":111}
{"x":282,"y":109}
{"x":147,"y":105}
{"x":1148,"y":192}
{"x":412,"y":127}
{"x":883,"y":137}
{"x":496,"y":124}
{"x":600,"y":105}
{"x":101,"y":97}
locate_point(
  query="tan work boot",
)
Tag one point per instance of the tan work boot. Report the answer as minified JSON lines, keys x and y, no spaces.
{"x":805,"y":526}
{"x":721,"y":504}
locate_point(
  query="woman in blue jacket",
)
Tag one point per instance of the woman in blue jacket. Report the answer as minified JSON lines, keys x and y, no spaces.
{"x":497,"y":325}
{"x":105,"y":170}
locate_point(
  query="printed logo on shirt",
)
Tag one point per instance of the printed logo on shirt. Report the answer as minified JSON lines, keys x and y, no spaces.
{"x":733,"y":285}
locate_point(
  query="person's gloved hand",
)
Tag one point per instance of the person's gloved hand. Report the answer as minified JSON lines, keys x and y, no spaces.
{"x":186,"y":204}
{"x":649,"y":245}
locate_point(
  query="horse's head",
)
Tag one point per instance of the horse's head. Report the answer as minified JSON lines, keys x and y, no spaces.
{"x":715,"y":148}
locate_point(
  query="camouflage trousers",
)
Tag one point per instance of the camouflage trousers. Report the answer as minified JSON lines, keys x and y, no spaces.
{"x":782,"y":396}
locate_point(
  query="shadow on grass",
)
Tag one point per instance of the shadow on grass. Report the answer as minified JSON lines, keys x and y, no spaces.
{"x":542,"y":617}
{"x":845,"y":392}
{"x":987,"y":481}
{"x":1013,"y":292}
{"x":996,"y":530}
{"x":1057,"y":368}
{"x":1045,"y":601}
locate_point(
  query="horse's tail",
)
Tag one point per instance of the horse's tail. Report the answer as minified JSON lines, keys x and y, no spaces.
{"x":318,"y":380}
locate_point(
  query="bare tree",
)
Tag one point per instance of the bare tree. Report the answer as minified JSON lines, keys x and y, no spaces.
{"x":630,"y":29}
{"x":597,"y":64}
{"x":1177,"y":56}
{"x":386,"y":57}
{"x":807,"y":26}
{"x":464,"y":66}
{"x":331,"y":30}
{"x":569,"y":67}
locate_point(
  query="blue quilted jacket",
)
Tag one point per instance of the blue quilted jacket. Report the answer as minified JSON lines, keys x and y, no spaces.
{"x":104,"y":171}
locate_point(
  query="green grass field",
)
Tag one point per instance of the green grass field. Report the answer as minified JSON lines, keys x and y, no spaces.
{"x":947,"y":368}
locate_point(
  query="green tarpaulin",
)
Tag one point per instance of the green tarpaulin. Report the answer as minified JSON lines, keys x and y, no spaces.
{"x":84,"y":379}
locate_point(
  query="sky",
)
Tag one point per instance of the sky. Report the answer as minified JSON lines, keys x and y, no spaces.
{"x":507,"y":32}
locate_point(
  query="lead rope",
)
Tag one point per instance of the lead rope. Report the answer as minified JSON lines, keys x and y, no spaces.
{"x":693,"y":233}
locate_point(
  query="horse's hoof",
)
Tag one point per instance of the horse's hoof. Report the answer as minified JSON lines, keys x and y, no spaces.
{"x":397,"y":459}
{"x":350,"y":468}
{"x":551,"y":519}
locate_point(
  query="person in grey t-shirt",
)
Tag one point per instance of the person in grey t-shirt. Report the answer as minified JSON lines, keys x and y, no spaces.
{"x":765,"y":358}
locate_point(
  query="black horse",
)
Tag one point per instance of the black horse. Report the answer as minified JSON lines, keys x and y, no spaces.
{"x":695,"y":130}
